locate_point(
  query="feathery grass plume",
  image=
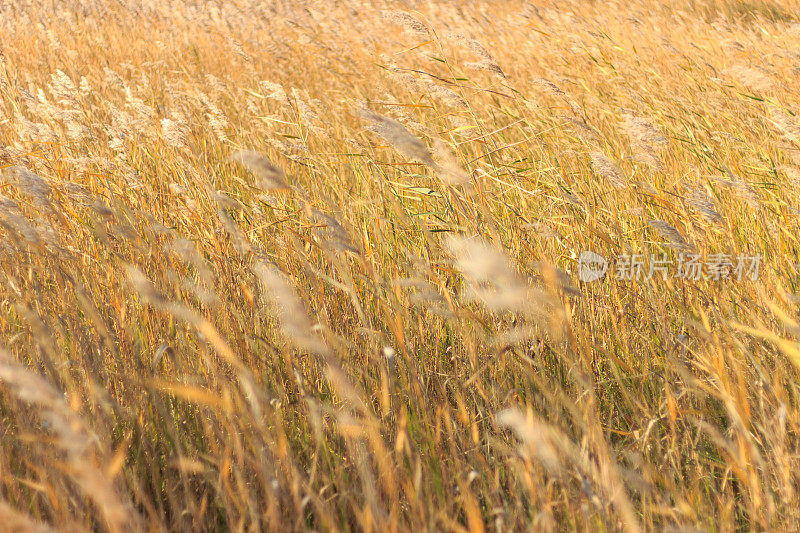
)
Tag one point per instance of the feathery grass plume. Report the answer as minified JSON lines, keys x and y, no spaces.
{"x":202,"y":288}
{"x":216,"y":119}
{"x":216,"y":85}
{"x":643,"y":130}
{"x":113,"y":79}
{"x":11,"y":218}
{"x":239,"y":240}
{"x":28,"y":99}
{"x":21,"y":227}
{"x":492,"y":279}
{"x":73,"y":438}
{"x":101,"y":208}
{"x":570,"y":197}
{"x":117,"y":144}
{"x":398,"y":136}
{"x":463,"y":124}
{"x":145,"y":115}
{"x":673,"y":237}
{"x":787,"y":124}
{"x":53,"y":40}
{"x":646,"y":155}
{"x":490,"y":66}
{"x":122,"y":123}
{"x":75,"y":130}
{"x":291,"y":313}
{"x":63,"y":89}
{"x":421,"y":290}
{"x":31,"y":185}
{"x":145,"y":288}
{"x":410,"y":24}
{"x":701,"y":202}
{"x":609,"y":170}
{"x":175,"y":132}
{"x":792,"y":152}
{"x":487,"y":61}
{"x":295,"y":151}
{"x":750,"y":77}
{"x":237,"y":48}
{"x":539,"y":439}
{"x":226,"y":202}
{"x":552,"y":89}
{"x":414,"y":85}
{"x":645,"y":139}
{"x":35,"y":131}
{"x":437,"y":92}
{"x":424,"y":293}
{"x":301,"y":100}
{"x":332,"y":233}
{"x":793,"y":174}
{"x":443,"y":94}
{"x":274,"y":91}
{"x":585,"y":132}
{"x":176,"y":189}
{"x":542,"y":229}
{"x":553,"y":276}
{"x":203,"y":295}
{"x":741,"y":188}
{"x":15,"y":521}
{"x":397,"y":112}
{"x":646,"y":188}
{"x":447,"y":166}
{"x":395,"y":107}
{"x":403,"y":78}
{"x":187,"y":252}
{"x":307,"y":114}
{"x":150,"y":295}
{"x":268,"y":175}
{"x":46,"y":109}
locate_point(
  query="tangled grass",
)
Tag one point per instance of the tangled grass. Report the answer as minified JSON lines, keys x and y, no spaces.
{"x":314,"y":265}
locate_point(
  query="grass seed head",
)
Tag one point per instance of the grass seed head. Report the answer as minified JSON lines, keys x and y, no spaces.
{"x":269,"y":177}
{"x":609,"y":170}
{"x":398,"y":136}
{"x":671,"y":235}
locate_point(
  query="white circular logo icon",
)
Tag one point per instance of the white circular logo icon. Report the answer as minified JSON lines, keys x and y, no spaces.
{"x":591,"y":266}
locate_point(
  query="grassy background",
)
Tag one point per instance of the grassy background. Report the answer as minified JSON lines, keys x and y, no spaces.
{"x":394,"y":340}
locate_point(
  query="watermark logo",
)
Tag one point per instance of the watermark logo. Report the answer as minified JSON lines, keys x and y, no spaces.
{"x":687,"y":266}
{"x":591,"y":266}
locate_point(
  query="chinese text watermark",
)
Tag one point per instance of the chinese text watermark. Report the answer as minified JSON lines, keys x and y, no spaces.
{"x":687,"y":266}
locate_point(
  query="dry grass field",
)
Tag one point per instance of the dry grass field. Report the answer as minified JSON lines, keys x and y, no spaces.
{"x":275,"y":265}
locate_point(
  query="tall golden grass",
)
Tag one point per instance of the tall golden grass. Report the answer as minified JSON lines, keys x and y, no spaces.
{"x":313,"y":265}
